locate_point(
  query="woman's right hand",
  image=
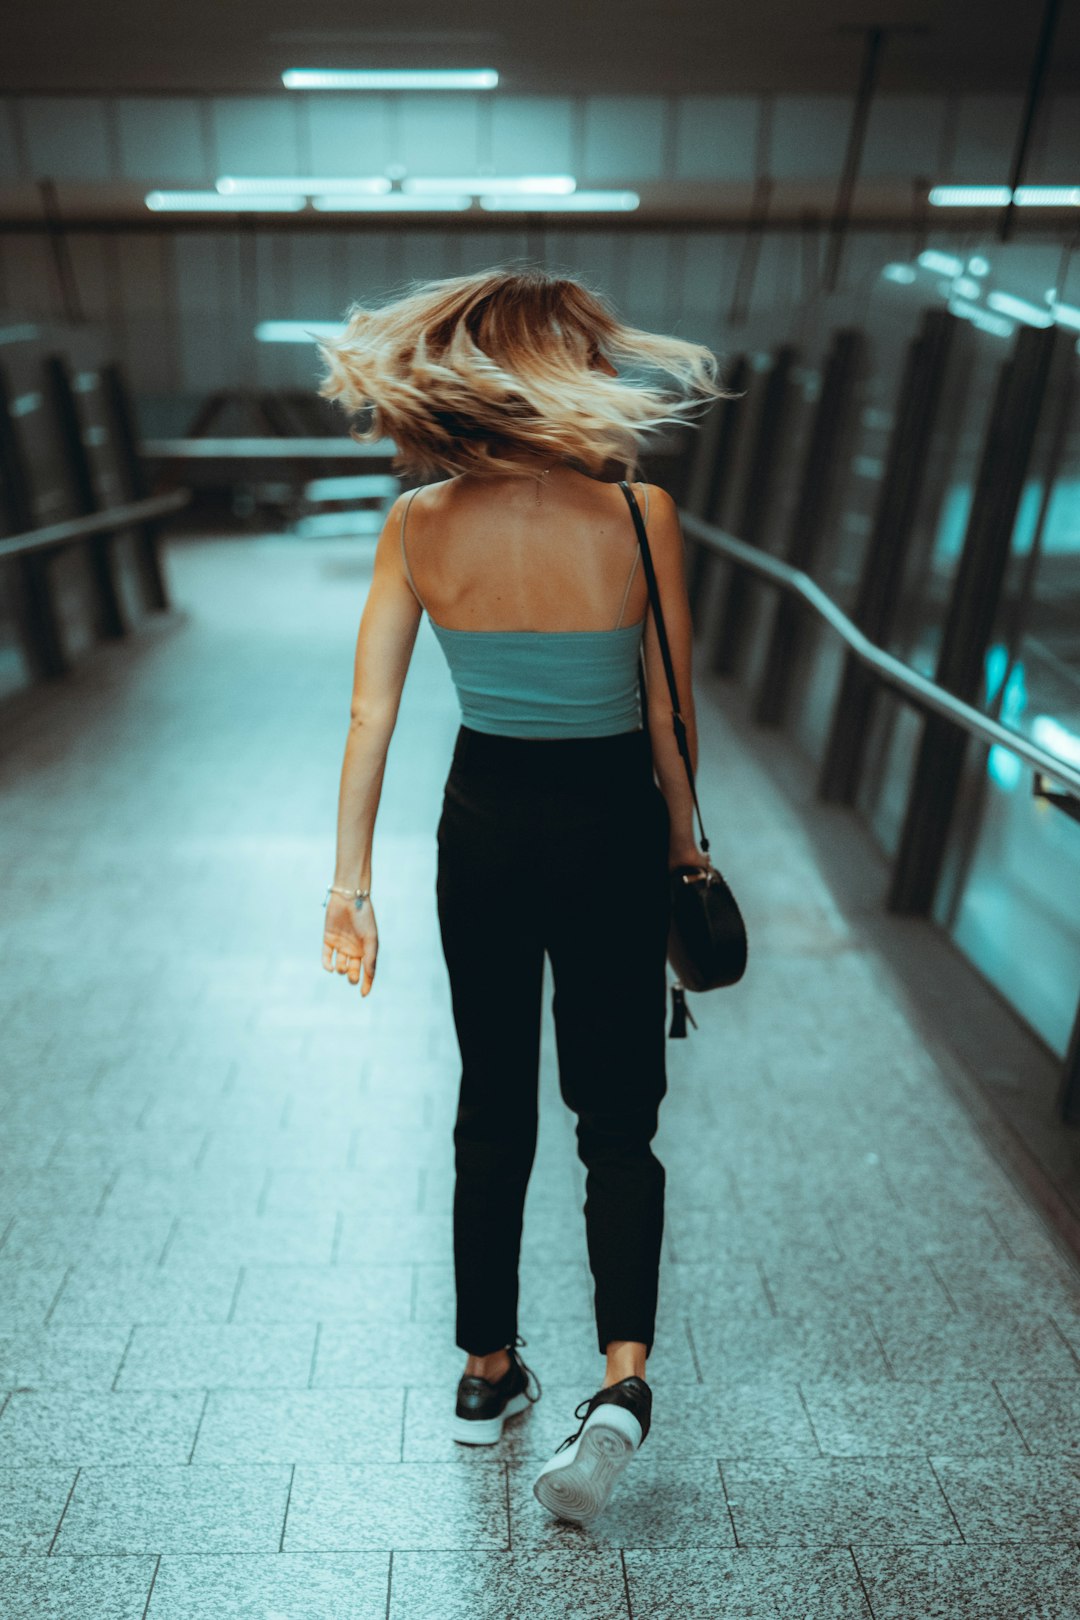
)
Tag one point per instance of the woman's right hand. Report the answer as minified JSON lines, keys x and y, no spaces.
{"x":687,"y":855}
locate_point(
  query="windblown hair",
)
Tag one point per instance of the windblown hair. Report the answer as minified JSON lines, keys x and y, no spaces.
{"x":467,"y":372}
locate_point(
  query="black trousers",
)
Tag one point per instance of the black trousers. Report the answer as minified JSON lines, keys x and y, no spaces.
{"x":558,"y":846}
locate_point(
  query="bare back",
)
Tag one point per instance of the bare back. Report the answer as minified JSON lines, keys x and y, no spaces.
{"x":517,"y":554}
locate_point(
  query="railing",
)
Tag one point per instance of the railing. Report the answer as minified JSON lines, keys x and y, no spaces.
{"x":917,"y":689}
{"x":71,"y":530}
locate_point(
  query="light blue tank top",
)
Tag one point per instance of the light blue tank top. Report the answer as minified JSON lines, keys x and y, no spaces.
{"x":543,"y":683}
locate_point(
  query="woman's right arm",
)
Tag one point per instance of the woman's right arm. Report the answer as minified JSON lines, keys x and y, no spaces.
{"x":668,"y":554}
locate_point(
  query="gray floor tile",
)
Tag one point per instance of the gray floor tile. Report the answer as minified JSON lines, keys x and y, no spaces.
{"x":75,"y":1588}
{"x":419,"y":1505}
{"x":733,"y":1350}
{"x":371,"y":1191}
{"x":1046,"y":1411}
{"x":657,"y":1502}
{"x":580,"y":1582}
{"x":98,"y":1293}
{"x":284,"y":1293}
{"x":961,"y":1346}
{"x":111,"y":1428}
{"x":886,"y":1418}
{"x":138,"y":1191}
{"x":313,"y":1426}
{"x":296,"y":1239}
{"x":31,"y":1503}
{"x":832,"y":1502}
{"x":43,"y":1240}
{"x":702,"y":1583}
{"x":972,"y":1583}
{"x":197,"y":1355}
{"x":282,"y":1586}
{"x":197,"y":1509}
{"x":26,"y":1296}
{"x":1012,"y":1498}
{"x":62,"y":1357}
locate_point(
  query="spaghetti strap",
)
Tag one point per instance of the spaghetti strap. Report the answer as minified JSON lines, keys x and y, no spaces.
{"x":404,"y":557}
{"x":633,"y":566}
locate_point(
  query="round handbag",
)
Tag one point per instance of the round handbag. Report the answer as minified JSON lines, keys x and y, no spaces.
{"x":707,"y":945}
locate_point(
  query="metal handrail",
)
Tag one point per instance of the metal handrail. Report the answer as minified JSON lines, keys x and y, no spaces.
{"x":81,"y":528}
{"x":923,"y":693}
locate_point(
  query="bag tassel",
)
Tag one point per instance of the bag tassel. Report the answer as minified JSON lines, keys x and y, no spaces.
{"x":680,"y":1012}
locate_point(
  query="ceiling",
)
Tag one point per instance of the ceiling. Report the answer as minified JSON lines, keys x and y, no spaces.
{"x":559,"y":47}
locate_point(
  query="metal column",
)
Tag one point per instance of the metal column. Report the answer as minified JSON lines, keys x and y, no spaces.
{"x":973,"y":607}
{"x":821,"y":466}
{"x":35,"y":611}
{"x":751,"y":521}
{"x":83,"y":493}
{"x":130,"y":466}
{"x":712,"y":475}
{"x":878,"y":597}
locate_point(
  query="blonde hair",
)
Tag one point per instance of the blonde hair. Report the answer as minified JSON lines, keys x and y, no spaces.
{"x":465,"y":372}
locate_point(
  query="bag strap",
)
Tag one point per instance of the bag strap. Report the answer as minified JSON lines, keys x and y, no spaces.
{"x":665,"y":651}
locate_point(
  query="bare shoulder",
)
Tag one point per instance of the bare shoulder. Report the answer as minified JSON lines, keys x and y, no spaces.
{"x":664,"y":529}
{"x":661,"y":503}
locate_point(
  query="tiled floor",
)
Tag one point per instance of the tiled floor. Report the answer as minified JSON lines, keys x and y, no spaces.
{"x":226,"y":1313}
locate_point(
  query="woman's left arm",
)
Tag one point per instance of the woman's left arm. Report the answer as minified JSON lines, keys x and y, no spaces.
{"x":384,"y":644}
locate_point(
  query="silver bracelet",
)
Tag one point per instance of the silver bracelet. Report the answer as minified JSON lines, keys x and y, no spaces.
{"x":359,"y":895}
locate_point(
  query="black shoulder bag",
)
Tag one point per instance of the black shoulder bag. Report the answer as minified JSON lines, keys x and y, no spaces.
{"x":707,"y":938}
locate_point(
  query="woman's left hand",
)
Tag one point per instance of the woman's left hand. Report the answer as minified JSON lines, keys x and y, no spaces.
{"x":353,"y":936}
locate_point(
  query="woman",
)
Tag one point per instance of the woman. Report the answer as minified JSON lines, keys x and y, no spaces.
{"x":554,"y":835}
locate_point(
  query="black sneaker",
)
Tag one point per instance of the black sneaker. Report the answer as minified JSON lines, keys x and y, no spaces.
{"x":483,"y":1406}
{"x":578,"y":1481}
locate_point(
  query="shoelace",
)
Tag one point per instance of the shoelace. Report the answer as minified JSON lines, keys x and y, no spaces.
{"x":588,"y":1403}
{"x":529,"y":1374}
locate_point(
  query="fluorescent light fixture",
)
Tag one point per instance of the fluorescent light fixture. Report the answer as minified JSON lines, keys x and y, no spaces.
{"x":903,"y":273}
{"x":1019,"y":309}
{"x":1047,"y":196}
{"x":969,"y":196}
{"x":978,"y":266}
{"x":390,"y":79}
{"x":1066,"y":314}
{"x":211,"y":202}
{"x":943,"y":263}
{"x":966,"y":287}
{"x":296,"y":331}
{"x":232,"y":185}
{"x":578,"y":202}
{"x":996,"y":325}
{"x":395,"y":202}
{"x":492,"y":185}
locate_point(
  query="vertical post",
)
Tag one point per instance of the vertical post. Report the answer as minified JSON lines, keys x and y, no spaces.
{"x":972,"y":610}
{"x":751,"y":521}
{"x":110,"y":618}
{"x":878,"y":596}
{"x":132,"y":472}
{"x":849,"y":173}
{"x":818,"y":479}
{"x":1069,"y":1094}
{"x":36,"y":611}
{"x":712,"y":475}
{"x":1040,"y":63}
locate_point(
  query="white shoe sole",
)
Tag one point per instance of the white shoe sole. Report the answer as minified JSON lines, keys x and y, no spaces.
{"x":487,"y":1431}
{"x":577,"y":1483}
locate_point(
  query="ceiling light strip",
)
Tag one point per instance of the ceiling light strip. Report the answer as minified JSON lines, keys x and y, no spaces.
{"x":390,"y":79}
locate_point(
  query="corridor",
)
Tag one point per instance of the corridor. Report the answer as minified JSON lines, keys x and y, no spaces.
{"x":226,"y":1290}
